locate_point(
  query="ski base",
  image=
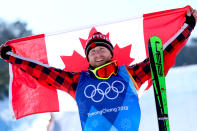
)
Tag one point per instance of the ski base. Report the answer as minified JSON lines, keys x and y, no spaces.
{"x":155,"y":49}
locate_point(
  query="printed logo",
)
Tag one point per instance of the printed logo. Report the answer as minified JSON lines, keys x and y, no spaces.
{"x":104,"y":89}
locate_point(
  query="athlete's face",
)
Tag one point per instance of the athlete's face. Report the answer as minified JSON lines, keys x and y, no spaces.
{"x":99,"y":56}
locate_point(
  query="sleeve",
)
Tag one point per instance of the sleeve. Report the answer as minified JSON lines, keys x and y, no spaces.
{"x":141,"y":71}
{"x":57,"y":78}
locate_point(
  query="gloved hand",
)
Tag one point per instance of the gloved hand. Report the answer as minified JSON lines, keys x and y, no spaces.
{"x":3,"y":50}
{"x":191,"y":17}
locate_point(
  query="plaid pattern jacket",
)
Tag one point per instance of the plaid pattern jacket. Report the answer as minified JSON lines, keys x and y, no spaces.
{"x":68,"y":81}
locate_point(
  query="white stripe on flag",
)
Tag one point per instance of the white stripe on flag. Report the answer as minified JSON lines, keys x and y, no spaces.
{"x":126,"y":33}
{"x":63,"y":44}
{"x":175,"y":36}
{"x":27,"y":59}
{"x":122,"y":33}
{"x":10,"y":92}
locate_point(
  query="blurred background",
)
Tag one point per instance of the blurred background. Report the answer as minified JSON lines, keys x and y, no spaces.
{"x":20,"y":18}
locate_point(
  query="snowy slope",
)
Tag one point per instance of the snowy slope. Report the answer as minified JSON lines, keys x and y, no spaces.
{"x":182,"y":107}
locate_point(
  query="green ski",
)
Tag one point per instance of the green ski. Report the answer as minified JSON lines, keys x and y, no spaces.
{"x":155,"y":50}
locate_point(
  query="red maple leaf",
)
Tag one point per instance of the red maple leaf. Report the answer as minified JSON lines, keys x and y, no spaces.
{"x":122,"y":55}
{"x":77,"y":63}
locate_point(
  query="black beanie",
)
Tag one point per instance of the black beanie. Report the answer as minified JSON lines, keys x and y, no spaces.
{"x":98,"y":39}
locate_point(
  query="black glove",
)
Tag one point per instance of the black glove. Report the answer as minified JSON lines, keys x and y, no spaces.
{"x":190,"y":20}
{"x":4,"y":50}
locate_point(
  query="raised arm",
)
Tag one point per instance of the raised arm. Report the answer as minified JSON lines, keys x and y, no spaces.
{"x":141,"y":71}
{"x":66,"y":81}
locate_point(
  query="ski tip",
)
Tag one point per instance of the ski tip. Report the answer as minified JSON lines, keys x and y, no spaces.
{"x":155,"y":39}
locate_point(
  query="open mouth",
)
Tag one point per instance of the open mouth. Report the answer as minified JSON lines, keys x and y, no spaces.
{"x":99,"y":60}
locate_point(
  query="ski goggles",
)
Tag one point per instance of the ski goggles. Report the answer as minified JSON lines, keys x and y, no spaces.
{"x":105,"y":71}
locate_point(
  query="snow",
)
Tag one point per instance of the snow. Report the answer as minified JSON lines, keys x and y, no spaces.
{"x":182,"y":107}
{"x":181,"y":98}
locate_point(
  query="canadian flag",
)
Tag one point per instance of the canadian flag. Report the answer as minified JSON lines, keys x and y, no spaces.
{"x":65,"y":50}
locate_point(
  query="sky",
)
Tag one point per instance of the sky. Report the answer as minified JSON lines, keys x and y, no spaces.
{"x":49,"y":16}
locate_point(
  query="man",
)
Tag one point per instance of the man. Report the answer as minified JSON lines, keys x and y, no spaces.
{"x":106,"y":94}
